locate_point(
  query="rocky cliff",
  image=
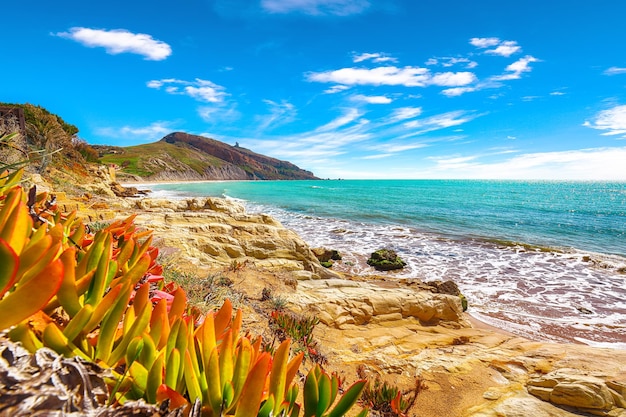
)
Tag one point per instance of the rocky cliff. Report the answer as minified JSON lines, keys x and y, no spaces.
{"x":182,"y":157}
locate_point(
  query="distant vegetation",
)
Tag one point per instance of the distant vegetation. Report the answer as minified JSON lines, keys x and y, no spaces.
{"x":46,"y":140}
{"x":181,"y":156}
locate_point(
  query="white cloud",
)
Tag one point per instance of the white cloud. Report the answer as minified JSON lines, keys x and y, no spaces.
{"x":391,"y":75}
{"x":336,"y":89}
{"x":405,"y":113}
{"x":502,"y":48}
{"x":451,"y":61}
{"x":316,"y":7}
{"x":580,"y":164}
{"x":375,"y":57}
{"x":152,"y":132}
{"x":378,"y":156}
{"x":280,"y":114}
{"x":516,"y":69}
{"x":371,"y":99}
{"x":557,"y":93}
{"x":439,"y":121}
{"x":453,"y":79}
{"x":506,"y":49}
{"x":119,"y":41}
{"x":457,"y":91}
{"x":199,"y":89}
{"x":612,"y":120}
{"x":484,"y":42}
{"x":615,"y":71}
{"x":348,"y":117}
{"x":394,"y":148}
{"x":213,"y":114}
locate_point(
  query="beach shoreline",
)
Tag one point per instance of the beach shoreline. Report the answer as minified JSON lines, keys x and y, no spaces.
{"x":478,"y":275}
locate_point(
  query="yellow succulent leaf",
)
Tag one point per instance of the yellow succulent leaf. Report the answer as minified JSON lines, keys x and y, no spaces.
{"x":31,"y":297}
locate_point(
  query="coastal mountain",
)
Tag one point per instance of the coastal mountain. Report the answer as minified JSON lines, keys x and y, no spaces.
{"x":180,"y":157}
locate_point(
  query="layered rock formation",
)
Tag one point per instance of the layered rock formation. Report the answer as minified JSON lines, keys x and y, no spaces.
{"x":218,"y":232}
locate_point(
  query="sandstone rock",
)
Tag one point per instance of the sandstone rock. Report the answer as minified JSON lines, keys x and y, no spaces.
{"x":574,"y":388}
{"x":326,"y":255}
{"x":217,"y":231}
{"x":340,"y":302}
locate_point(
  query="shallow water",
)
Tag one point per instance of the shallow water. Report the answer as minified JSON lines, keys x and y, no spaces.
{"x":565,"y":282}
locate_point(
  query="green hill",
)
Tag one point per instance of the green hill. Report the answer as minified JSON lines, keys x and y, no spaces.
{"x":180,"y":156}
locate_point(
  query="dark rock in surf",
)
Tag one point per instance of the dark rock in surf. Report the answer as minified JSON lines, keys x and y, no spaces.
{"x":385,"y":260}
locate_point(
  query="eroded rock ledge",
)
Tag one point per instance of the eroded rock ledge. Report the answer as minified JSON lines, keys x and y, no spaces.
{"x":400,"y":329}
{"x":218,"y":231}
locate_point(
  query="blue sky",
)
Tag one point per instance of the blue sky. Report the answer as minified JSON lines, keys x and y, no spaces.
{"x":344,"y":88}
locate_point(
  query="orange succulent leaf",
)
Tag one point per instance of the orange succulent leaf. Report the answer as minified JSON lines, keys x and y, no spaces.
{"x":179,"y":304}
{"x":166,"y":393}
{"x":252,"y":394}
{"x":17,"y":227}
{"x":31,"y":297}
{"x":222,"y":318}
{"x":292,"y":369}
{"x":9,"y":265}
{"x":29,"y":271}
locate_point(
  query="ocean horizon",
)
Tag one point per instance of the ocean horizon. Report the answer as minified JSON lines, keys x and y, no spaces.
{"x":545,"y":259}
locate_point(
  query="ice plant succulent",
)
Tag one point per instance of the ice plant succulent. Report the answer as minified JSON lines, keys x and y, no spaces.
{"x":102,"y":297}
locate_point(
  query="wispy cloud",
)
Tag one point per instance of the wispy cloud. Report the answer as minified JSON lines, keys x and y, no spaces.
{"x":316,"y":7}
{"x":349,"y":116}
{"x":395,"y":148}
{"x":119,"y":41}
{"x":447,"y":62}
{"x":453,"y":79}
{"x":405,"y":113}
{"x":135,"y":134}
{"x":336,"y":89}
{"x":351,"y":134}
{"x":441,"y":121}
{"x":391,"y":75}
{"x":199,"y":89}
{"x":457,"y":91}
{"x":279,"y":114}
{"x":375,"y":57}
{"x":217,"y":114}
{"x":612,"y":120}
{"x":502,"y":48}
{"x":371,"y":99}
{"x":581,"y":164}
{"x":615,"y":71}
{"x":515,"y":70}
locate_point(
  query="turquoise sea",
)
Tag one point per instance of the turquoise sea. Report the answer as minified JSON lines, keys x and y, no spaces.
{"x":540,"y":258}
